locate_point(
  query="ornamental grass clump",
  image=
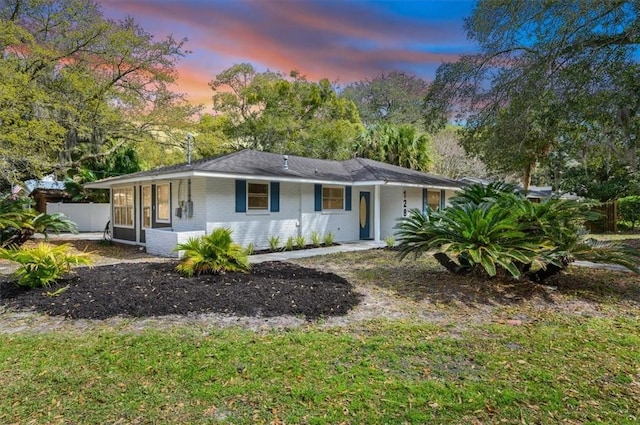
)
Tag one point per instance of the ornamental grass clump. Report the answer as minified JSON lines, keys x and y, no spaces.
{"x":212,"y":253}
{"x":315,"y":239}
{"x":43,"y":264}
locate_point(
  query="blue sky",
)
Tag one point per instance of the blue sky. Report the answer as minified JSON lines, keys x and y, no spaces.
{"x":342,"y":40}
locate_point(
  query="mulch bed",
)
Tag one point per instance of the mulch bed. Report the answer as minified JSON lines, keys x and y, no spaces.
{"x":155,"y":289}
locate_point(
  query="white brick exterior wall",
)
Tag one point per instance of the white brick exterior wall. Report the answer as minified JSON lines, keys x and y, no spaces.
{"x":392,"y":206}
{"x":296,"y":216}
{"x":161,"y":242}
{"x":214,"y":203}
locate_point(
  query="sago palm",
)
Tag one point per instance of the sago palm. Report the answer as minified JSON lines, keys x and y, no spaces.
{"x":212,"y":253}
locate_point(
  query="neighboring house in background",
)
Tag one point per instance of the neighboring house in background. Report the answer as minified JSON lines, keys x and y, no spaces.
{"x":259,"y":195}
{"x":46,"y":190}
{"x":535,"y":193}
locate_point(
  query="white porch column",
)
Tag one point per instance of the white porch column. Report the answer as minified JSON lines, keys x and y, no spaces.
{"x":376,"y":213}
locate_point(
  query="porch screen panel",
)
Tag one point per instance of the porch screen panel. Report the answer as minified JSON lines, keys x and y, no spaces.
{"x":162,"y":202}
{"x":123,"y":206}
{"x":146,"y":206}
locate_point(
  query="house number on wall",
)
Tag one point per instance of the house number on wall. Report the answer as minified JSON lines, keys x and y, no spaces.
{"x":404,"y":203}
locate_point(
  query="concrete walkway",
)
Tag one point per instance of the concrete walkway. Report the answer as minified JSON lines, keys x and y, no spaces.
{"x":257,"y":258}
{"x":343,"y":247}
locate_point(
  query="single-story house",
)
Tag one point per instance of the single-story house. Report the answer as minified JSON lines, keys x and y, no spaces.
{"x":259,"y":195}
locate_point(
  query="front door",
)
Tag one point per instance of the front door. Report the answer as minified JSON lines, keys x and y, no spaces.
{"x":365,"y":198}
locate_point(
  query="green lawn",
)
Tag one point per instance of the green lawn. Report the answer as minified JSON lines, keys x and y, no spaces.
{"x":579,"y":370}
{"x":570,"y":354}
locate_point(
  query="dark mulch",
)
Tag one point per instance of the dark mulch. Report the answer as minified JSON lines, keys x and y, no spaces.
{"x":156,"y":289}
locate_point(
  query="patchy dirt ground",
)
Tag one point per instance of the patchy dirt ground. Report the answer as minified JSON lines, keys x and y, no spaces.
{"x":129,"y":290}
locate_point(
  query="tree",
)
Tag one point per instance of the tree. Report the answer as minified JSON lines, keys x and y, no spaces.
{"x":545,"y":69}
{"x":398,"y":145}
{"x":211,"y":138}
{"x":268,"y":111}
{"x":629,"y":210}
{"x":393,"y":98}
{"x":79,"y":85}
{"x":450,"y":158}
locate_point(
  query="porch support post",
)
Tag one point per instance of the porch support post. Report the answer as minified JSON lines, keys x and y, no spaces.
{"x":376,"y":213}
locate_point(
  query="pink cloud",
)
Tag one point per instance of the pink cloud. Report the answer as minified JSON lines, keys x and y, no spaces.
{"x":345,"y":41}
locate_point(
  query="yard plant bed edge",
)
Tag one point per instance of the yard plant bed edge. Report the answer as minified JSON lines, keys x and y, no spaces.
{"x":150,"y":289}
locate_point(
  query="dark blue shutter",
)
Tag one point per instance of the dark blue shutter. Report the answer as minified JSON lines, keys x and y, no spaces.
{"x":443,"y":193}
{"x":317,"y":201}
{"x":424,"y":201}
{"x":241,"y":196}
{"x":275,"y":196}
{"x":347,"y":198}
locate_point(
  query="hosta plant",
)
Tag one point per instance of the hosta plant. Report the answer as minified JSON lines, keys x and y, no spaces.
{"x":212,"y":253}
{"x":43,"y":264}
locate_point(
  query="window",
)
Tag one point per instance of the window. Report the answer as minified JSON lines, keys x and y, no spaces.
{"x":332,"y":198}
{"x":146,"y":206}
{"x":433,"y":200}
{"x":162,"y":202}
{"x":258,"y":196}
{"x":123,"y":206}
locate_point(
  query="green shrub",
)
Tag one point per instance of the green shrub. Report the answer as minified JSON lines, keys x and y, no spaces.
{"x":288,"y":246}
{"x":300,"y":242}
{"x":249,"y":249}
{"x":274,"y":243}
{"x":212,"y":253}
{"x":495,"y":227}
{"x":328,"y":239}
{"x":43,"y":264}
{"x":629,"y":210}
{"x":315,"y":239}
{"x":19,"y":222}
{"x":390,"y":241}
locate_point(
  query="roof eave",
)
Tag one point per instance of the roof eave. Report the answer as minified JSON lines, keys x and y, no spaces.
{"x":199,"y":173}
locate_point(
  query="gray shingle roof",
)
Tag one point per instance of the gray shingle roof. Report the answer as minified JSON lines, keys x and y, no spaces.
{"x":271,"y":165}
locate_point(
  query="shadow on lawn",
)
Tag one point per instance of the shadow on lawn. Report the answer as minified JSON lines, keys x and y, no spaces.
{"x":424,"y":279}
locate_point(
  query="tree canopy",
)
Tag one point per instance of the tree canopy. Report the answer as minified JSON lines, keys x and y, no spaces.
{"x":272,"y":112}
{"x":550,"y":78}
{"x":395,"y":97}
{"x":401,"y":145}
{"x":75,"y":86}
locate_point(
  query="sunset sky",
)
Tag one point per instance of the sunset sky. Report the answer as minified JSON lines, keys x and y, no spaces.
{"x":342,"y":40}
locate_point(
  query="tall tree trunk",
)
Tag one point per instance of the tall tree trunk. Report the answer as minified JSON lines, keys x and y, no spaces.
{"x":526,"y":178}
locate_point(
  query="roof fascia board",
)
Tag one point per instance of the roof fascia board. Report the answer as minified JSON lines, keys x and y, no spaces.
{"x":429,"y":186}
{"x":195,"y":173}
{"x":173,"y":176}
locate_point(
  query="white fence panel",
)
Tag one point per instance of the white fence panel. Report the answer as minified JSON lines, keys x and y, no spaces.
{"x":88,"y":217}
